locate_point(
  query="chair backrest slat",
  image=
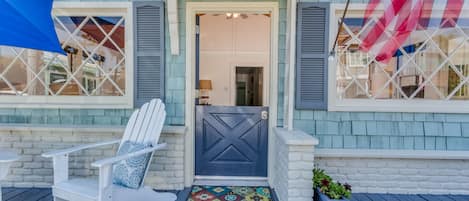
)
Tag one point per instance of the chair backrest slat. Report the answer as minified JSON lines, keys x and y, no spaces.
{"x":155,"y":132}
{"x":145,"y":125}
{"x":150,"y":122}
{"x":130,"y":126}
{"x":145,"y":122}
{"x":139,"y":122}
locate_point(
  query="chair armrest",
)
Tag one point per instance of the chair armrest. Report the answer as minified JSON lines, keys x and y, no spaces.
{"x":78,"y":148}
{"x":112,"y":160}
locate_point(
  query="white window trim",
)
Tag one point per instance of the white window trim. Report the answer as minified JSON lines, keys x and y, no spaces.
{"x":356,"y":105}
{"x":102,"y":102}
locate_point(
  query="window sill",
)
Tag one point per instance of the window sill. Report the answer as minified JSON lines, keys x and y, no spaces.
{"x":71,"y":102}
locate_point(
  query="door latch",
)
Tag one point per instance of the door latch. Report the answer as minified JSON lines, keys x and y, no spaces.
{"x":264,"y":115}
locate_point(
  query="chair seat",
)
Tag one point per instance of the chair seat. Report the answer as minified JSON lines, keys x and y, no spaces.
{"x":84,"y":189}
{"x":75,"y":189}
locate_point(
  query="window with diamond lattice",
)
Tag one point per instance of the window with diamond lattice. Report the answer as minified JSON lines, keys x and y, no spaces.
{"x":432,"y":64}
{"x":94,"y":64}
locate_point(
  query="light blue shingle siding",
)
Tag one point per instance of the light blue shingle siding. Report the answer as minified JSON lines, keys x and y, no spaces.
{"x":327,"y":127}
{"x":350,"y":142}
{"x":440,"y":143}
{"x":65,"y":116}
{"x":430,"y":143}
{"x":408,"y":143}
{"x":363,"y":142}
{"x":457,"y":143}
{"x":452,"y":129}
{"x":404,"y":131}
{"x":379,"y":142}
{"x":337,"y":141}
{"x":465,"y":129}
{"x":419,"y":143}
{"x":358,"y":127}
{"x":396,"y":142}
{"x":433,"y":128}
{"x":345,"y":128}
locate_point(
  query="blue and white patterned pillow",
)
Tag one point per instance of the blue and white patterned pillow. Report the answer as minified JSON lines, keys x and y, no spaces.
{"x":129,"y":173}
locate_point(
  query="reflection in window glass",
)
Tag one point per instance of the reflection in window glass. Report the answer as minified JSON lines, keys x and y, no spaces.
{"x":94,"y":64}
{"x":433,"y":63}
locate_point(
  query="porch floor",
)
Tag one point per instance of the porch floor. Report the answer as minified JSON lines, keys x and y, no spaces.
{"x":45,"y":194}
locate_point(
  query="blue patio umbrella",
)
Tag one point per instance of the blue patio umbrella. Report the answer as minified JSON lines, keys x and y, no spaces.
{"x":28,"y":24}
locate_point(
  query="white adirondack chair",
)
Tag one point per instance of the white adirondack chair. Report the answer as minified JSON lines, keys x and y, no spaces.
{"x":144,"y":126}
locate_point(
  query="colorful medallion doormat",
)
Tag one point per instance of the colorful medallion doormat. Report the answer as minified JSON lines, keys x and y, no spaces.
{"x":229,"y":193}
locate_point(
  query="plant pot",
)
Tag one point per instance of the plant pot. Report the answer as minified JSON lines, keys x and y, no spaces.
{"x":318,"y":196}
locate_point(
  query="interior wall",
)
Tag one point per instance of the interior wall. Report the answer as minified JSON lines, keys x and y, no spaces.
{"x":227,"y":43}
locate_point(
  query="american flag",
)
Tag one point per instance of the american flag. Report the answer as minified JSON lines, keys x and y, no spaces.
{"x":400,"y":18}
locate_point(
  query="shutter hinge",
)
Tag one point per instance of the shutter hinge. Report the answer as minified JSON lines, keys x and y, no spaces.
{"x":197,"y":29}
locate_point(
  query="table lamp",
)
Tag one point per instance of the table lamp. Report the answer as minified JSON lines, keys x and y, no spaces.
{"x":205,"y":86}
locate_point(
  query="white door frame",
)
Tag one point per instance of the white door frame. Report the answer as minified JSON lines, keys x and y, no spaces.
{"x":192,"y":8}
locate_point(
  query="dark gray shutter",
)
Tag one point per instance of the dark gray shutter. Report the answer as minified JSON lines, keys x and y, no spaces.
{"x":311,"y":55}
{"x":149,"y":51}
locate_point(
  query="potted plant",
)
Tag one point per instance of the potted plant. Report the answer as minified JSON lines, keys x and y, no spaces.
{"x":325,"y":189}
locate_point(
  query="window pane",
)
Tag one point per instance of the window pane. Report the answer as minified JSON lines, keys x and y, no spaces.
{"x":431,"y":62}
{"x":94,"y":64}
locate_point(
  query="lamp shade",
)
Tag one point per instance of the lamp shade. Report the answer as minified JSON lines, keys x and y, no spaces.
{"x":205,"y":84}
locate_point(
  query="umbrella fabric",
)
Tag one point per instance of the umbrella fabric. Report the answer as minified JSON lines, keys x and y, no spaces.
{"x":28,"y":24}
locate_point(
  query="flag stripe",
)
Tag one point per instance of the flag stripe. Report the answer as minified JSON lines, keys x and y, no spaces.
{"x":451,"y":14}
{"x":403,"y":30}
{"x":370,"y":9}
{"x":401,"y":18}
{"x":378,"y":29}
{"x":427,"y":9}
{"x":437,"y":13}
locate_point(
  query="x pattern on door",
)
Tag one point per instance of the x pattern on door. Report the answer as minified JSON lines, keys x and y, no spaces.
{"x":231,"y":141}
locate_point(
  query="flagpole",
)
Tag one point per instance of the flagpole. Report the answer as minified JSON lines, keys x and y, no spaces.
{"x":332,"y":53}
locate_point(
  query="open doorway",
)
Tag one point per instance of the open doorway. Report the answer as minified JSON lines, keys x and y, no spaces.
{"x":233,"y":62}
{"x":249,"y":86}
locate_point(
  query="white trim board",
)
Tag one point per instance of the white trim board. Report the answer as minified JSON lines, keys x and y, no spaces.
{"x":392,"y":154}
{"x":81,"y":128}
{"x":173,"y":26}
{"x":196,"y":7}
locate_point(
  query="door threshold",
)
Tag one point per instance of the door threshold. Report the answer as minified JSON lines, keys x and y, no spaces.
{"x":230,"y":181}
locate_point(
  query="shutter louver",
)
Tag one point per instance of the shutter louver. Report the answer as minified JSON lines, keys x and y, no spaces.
{"x":312,"y":55}
{"x":149,"y":51}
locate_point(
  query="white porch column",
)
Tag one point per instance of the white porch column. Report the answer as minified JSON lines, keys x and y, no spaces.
{"x":172,"y":8}
{"x":294,"y":165}
{"x":290,"y":59}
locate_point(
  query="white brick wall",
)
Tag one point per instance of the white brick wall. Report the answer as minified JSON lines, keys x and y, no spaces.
{"x":32,"y":170}
{"x":407,"y":176}
{"x":292,"y":180}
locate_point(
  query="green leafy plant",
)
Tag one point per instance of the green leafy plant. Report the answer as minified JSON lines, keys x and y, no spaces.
{"x":326,"y":185}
